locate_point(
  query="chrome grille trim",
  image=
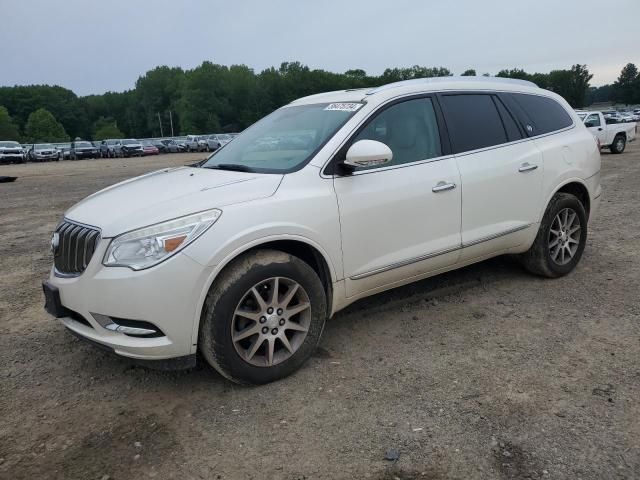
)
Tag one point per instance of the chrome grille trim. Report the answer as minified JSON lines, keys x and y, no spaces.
{"x":77,"y":244}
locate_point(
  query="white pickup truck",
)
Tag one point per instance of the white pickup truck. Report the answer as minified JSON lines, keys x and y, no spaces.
{"x":613,"y":136}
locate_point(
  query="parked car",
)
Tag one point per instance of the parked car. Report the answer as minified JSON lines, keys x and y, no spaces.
{"x":11,"y":152}
{"x":193,"y":144}
{"x":148,"y":148}
{"x":613,"y":116}
{"x":216,"y":141}
{"x":613,"y":136}
{"x":111,"y":148}
{"x":173,"y":147}
{"x":64,"y":150}
{"x":244,"y":258}
{"x":131,"y":148}
{"x":162,"y":148}
{"x":81,"y":149}
{"x":42,"y":152}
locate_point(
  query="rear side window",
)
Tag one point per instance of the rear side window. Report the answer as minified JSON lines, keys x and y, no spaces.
{"x":473,"y":122}
{"x":543,"y":114}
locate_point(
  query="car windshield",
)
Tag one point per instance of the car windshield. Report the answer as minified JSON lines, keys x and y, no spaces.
{"x":284,"y":140}
{"x":224,"y":137}
{"x":582,"y":115}
{"x":44,"y":146}
{"x":83,"y":144}
{"x":10,"y":144}
{"x":130,"y":142}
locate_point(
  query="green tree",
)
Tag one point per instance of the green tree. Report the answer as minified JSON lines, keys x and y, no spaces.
{"x":571,"y":84}
{"x":627,"y":88}
{"x":8,"y":129}
{"x":106,"y":128}
{"x":469,"y":73}
{"x":21,"y":101}
{"x":42,"y":126}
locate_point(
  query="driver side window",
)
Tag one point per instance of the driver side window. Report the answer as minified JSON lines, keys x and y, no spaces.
{"x":409,"y":129}
{"x":593,"y":120}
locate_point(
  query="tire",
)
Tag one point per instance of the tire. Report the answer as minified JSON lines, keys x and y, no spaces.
{"x":549,"y":260}
{"x":619,"y":144}
{"x":232,"y":292}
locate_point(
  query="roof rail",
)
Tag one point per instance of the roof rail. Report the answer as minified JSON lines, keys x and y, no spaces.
{"x":416,"y":81}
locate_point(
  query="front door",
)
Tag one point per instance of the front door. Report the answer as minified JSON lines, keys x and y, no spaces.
{"x":594,"y":124}
{"x":401,"y":220}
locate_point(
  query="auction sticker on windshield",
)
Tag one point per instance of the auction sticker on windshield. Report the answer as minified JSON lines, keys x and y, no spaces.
{"x":344,"y":107}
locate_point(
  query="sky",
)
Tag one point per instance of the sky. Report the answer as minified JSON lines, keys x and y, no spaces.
{"x":94,"y":46}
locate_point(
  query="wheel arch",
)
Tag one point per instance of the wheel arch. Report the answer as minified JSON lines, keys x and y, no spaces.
{"x":577,"y":188}
{"x":301,"y":247}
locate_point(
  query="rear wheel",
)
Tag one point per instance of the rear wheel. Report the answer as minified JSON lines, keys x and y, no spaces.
{"x":263,"y":317}
{"x":619,"y":144}
{"x":561,"y":238}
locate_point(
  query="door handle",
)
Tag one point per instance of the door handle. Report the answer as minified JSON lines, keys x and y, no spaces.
{"x":527,"y":167}
{"x":600,"y":129}
{"x":443,"y":187}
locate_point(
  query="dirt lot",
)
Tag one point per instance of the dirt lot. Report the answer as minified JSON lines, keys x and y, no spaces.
{"x":486,"y":372}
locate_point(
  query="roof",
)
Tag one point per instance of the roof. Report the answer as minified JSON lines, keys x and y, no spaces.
{"x":419,"y":85}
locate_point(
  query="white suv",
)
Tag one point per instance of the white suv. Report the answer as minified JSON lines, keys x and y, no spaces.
{"x":329,"y":199}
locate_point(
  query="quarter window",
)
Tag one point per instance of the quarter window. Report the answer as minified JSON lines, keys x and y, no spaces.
{"x":473,"y":122}
{"x":409,"y":129}
{"x":544,"y":114}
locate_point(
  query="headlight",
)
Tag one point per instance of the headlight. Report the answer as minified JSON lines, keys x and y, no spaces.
{"x":149,"y":246}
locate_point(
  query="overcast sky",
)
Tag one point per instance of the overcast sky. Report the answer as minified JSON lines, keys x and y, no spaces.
{"x":92,"y":46}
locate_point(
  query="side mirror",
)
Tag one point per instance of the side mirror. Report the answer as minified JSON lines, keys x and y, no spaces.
{"x":367,"y":153}
{"x":590,"y":124}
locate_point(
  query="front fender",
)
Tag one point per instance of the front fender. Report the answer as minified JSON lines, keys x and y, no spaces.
{"x":226,"y":255}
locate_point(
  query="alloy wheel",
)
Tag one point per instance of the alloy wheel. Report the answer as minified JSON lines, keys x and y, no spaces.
{"x":271,"y":321}
{"x":564,"y":236}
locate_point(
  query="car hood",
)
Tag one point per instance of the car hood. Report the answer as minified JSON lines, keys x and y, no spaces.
{"x":167,"y":194}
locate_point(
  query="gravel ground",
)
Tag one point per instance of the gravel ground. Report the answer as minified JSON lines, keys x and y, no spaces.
{"x":486,"y":372}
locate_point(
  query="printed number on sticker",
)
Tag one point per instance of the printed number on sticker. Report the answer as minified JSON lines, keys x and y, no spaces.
{"x":344,"y":107}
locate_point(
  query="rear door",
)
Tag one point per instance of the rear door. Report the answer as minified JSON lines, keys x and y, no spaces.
{"x":501,"y":172}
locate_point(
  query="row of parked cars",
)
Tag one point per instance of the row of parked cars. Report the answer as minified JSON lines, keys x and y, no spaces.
{"x":624,"y":116}
{"x":14,"y":152}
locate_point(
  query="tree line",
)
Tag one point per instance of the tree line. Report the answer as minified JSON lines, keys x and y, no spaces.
{"x":216,"y":98}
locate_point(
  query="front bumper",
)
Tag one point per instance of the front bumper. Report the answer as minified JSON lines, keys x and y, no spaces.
{"x":11,"y":157}
{"x":86,"y":154}
{"x":166,"y":296}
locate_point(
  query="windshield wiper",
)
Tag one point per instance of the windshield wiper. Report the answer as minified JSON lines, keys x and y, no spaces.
{"x":231,"y":166}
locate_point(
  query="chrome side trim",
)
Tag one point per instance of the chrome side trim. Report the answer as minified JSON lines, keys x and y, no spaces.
{"x":421,"y":258}
{"x":495,"y":235}
{"x":403,"y":263}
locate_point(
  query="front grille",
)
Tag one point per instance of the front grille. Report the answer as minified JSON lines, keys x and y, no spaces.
{"x":75,"y":247}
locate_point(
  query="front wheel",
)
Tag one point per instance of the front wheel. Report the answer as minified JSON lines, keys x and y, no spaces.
{"x":619,"y":144}
{"x":263,"y":317}
{"x":561,"y":238}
